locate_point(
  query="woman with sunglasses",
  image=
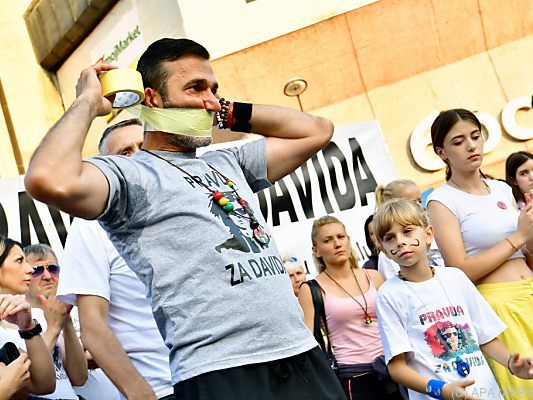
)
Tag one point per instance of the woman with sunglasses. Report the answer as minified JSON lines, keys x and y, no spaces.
{"x":479,"y":230}
{"x":17,"y":325}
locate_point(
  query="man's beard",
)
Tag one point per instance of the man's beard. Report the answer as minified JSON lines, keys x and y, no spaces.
{"x":191,"y":142}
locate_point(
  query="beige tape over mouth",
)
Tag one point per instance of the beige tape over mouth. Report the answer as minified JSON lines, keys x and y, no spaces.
{"x":126,"y":84}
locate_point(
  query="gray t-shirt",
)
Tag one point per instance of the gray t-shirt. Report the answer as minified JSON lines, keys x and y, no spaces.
{"x":220,"y":299}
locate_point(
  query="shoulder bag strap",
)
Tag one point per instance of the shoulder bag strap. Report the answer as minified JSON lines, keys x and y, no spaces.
{"x":320,"y":316}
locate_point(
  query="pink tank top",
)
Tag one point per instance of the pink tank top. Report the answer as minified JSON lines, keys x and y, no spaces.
{"x":354,"y":342}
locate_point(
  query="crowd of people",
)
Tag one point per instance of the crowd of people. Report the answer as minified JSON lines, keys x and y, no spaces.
{"x":171,"y":285}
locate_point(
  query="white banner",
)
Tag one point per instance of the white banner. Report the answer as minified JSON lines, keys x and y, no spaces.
{"x":339,"y":180}
{"x":29,"y":221}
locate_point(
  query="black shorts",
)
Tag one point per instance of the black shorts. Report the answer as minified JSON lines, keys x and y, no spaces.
{"x":306,"y":376}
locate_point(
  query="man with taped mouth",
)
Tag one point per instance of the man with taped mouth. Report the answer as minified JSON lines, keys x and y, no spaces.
{"x":219,"y":292}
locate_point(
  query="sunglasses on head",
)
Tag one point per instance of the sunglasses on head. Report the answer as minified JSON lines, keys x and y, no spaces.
{"x":39,"y":270}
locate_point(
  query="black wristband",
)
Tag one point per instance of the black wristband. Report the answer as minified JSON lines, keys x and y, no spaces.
{"x":242,"y":112}
{"x":36,"y":330}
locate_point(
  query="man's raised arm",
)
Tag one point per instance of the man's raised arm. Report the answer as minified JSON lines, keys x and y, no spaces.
{"x":292,"y":137}
{"x":57,"y":174}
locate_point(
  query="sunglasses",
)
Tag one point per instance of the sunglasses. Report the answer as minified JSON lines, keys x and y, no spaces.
{"x":449,"y":334}
{"x":39,"y":270}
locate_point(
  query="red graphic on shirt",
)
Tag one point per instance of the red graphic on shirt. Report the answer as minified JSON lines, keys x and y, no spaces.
{"x":447,"y":340}
{"x":502,"y":205}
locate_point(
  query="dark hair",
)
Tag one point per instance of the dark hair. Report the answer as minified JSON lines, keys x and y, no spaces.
{"x":442,"y":125}
{"x":513,"y":162}
{"x":369,"y":243}
{"x":111,"y":128}
{"x":6,"y":245}
{"x":166,"y":49}
{"x":39,"y":252}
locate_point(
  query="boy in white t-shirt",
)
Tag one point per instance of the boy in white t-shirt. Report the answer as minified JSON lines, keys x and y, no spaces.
{"x":434,"y":324}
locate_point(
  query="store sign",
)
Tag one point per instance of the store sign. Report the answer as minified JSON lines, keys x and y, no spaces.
{"x":120,"y":47}
{"x":420,"y":141}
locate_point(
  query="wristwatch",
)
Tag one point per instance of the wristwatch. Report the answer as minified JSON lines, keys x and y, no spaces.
{"x":36,"y":330}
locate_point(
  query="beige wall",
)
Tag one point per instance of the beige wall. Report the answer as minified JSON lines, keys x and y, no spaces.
{"x":33,"y":101}
{"x":398,"y":60}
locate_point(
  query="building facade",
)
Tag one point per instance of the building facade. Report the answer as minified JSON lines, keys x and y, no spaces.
{"x":395,"y":61}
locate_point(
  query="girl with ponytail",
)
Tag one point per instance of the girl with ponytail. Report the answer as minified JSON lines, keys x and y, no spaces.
{"x":399,"y":188}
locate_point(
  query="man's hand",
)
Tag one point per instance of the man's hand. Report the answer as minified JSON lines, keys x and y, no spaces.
{"x":15,"y":376}
{"x":521,"y":367}
{"x":457,"y":390}
{"x":16,"y":310}
{"x":89,"y":88}
{"x":55,"y":311}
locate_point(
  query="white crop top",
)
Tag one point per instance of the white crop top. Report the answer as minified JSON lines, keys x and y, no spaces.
{"x":484,"y":220}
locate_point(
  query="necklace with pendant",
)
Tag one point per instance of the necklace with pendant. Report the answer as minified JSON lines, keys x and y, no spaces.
{"x":462,"y":366}
{"x":367,"y":318}
{"x":224,"y":202}
{"x":468,"y":191}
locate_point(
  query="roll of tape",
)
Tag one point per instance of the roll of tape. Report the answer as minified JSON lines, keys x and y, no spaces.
{"x":126,"y":84}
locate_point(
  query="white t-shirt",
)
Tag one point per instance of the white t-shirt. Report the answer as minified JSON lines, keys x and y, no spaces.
{"x":11,"y":335}
{"x":8,"y":334}
{"x":410,"y":315}
{"x":98,"y":385}
{"x":484,"y":220}
{"x":92,"y":266}
{"x":386,"y":266}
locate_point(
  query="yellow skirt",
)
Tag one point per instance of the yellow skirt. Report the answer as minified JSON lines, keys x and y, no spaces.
{"x":513,"y":302}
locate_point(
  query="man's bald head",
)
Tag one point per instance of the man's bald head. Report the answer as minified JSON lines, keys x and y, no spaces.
{"x":122,"y":138}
